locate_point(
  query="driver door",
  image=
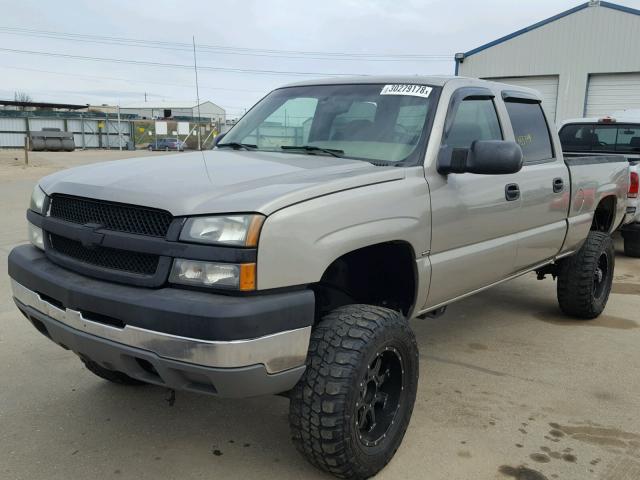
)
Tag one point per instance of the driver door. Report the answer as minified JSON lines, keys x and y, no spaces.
{"x":474,"y":224}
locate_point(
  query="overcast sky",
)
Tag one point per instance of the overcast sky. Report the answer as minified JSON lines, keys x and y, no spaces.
{"x":379,"y":35}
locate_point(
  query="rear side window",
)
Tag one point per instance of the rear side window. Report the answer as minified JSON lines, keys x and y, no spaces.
{"x":531,"y":130}
{"x":476,"y":119}
{"x":596,"y":137}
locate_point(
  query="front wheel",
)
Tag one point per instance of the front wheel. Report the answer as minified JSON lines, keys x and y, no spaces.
{"x":350,"y":411}
{"x":585,"y":278}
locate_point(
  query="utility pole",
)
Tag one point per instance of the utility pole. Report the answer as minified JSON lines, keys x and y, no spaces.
{"x":119,"y":131}
{"x":195,"y":67}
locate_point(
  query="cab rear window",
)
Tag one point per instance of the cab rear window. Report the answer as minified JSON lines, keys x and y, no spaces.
{"x":596,"y":137}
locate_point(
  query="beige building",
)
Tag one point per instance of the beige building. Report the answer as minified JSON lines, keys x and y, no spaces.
{"x":158,"y":110}
{"x":584,"y":61}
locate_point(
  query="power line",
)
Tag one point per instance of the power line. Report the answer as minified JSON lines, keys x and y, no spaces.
{"x":168,"y":65}
{"x":128,"y":80}
{"x":225,"y":50}
{"x":58,"y":93}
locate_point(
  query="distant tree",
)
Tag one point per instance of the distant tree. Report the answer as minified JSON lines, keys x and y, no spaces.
{"x":21,"y":97}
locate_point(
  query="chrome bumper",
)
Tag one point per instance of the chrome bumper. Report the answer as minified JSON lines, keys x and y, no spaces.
{"x":277,"y":352}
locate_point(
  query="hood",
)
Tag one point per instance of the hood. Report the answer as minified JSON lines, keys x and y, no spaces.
{"x":218,"y":181}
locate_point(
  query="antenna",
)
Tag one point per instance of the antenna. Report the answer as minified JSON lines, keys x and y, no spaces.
{"x":195,"y":67}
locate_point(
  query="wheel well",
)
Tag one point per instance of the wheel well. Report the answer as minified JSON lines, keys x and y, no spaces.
{"x":383,"y":274}
{"x":604,"y":215}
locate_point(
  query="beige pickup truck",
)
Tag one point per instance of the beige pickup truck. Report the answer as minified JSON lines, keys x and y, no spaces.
{"x":290,"y":259}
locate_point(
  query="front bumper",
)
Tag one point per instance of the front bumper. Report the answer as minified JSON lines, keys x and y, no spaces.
{"x":72,"y":310}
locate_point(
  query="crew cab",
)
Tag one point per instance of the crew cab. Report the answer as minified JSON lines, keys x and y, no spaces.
{"x":290,"y":259}
{"x":618,"y":133}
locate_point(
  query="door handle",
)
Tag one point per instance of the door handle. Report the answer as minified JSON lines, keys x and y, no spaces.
{"x":558,"y":185}
{"x":512,"y":192}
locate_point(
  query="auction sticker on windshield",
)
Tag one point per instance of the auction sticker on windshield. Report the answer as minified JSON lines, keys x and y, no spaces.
{"x":406,"y":89}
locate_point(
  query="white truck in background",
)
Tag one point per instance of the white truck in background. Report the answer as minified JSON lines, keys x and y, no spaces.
{"x":618,"y":133}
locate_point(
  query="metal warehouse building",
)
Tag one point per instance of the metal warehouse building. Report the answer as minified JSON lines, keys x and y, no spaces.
{"x":584,"y":62}
{"x":175,"y":109}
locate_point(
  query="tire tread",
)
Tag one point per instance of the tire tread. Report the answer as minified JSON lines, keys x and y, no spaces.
{"x":319,"y":400}
{"x":575,"y":277}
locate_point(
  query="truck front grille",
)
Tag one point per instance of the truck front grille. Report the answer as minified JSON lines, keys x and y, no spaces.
{"x":105,"y":257}
{"x":111,"y":216}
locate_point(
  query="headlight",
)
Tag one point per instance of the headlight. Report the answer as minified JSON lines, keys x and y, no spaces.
{"x":240,"y":230}
{"x":37,"y":200}
{"x":211,"y":274}
{"x":35,"y":236}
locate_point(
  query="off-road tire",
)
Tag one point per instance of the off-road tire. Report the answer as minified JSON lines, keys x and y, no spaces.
{"x":323,"y":410}
{"x":111,"y":375}
{"x":580,"y":294}
{"x":632,"y":245}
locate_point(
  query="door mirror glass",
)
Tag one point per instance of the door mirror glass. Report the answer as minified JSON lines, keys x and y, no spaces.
{"x":486,"y":157}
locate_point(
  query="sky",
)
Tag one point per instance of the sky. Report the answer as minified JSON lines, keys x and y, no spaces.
{"x":245,"y":48}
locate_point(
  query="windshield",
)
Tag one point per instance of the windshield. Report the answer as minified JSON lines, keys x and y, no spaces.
{"x":598,"y":137}
{"x":375,"y":122}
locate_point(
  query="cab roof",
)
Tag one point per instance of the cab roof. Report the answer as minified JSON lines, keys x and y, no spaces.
{"x":433,"y":80}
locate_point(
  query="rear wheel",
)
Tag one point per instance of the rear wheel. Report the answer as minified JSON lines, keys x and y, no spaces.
{"x":111,"y":375}
{"x":350,"y":410}
{"x":585,"y":279}
{"x":632,"y":242}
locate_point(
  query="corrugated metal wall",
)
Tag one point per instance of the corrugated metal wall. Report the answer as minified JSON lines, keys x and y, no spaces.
{"x":8,"y":126}
{"x":593,"y":40}
{"x":546,"y":85}
{"x":87,"y":133}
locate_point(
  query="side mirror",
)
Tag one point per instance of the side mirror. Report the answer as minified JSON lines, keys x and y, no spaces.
{"x":487,"y":157}
{"x":218,"y":138}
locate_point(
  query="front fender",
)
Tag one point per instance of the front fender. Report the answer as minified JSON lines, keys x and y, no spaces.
{"x":299,"y":242}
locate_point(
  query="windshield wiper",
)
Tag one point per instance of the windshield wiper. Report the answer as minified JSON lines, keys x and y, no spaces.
{"x":237,"y":145}
{"x":312,"y":148}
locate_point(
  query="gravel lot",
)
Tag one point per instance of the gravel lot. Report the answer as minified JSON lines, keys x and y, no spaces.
{"x":509,"y":389}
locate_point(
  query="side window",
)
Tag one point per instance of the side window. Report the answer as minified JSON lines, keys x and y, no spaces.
{"x":628,"y":139}
{"x":605,"y":137}
{"x":531,"y":130}
{"x":602,"y":138}
{"x":476,"y":119}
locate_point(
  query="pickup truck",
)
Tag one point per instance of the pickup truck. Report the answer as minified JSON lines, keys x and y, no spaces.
{"x":290,"y":259}
{"x":618,"y":133}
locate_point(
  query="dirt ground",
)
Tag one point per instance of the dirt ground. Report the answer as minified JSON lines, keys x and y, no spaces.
{"x":509,"y":389}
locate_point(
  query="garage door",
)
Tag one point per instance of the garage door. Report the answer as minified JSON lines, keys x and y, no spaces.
{"x":610,"y":92}
{"x":546,"y":85}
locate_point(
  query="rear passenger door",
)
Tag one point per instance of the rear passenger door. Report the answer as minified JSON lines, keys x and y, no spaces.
{"x":474,"y":225}
{"x":544,"y":183}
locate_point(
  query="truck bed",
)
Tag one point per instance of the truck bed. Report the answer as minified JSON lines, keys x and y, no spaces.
{"x":594,"y":177}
